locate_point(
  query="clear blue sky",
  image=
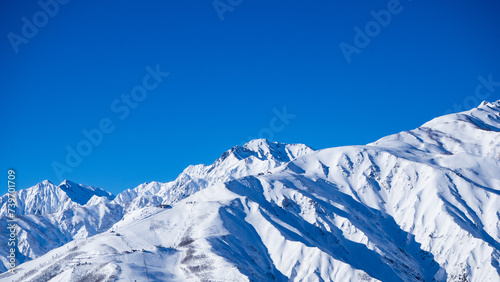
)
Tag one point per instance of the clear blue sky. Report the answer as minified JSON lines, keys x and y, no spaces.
{"x":226,"y":77}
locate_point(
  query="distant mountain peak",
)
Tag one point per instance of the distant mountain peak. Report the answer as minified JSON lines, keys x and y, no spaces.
{"x":46,"y":198}
{"x":259,"y":142}
{"x":81,"y":194}
{"x":264,"y":149}
{"x":46,"y":182}
{"x":68,"y":182}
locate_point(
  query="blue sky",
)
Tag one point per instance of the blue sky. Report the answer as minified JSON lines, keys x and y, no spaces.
{"x":232,"y":71}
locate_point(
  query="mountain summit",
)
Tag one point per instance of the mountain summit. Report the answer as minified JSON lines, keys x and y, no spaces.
{"x":81,"y":194}
{"x":45,"y":197}
{"x":263,"y":149}
{"x":256,"y":157}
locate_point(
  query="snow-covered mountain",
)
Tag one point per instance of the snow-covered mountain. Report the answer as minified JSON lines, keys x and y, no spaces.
{"x":51,"y":216}
{"x":46,"y":198}
{"x":257,"y":156}
{"x":38,"y":234}
{"x":420,"y":205}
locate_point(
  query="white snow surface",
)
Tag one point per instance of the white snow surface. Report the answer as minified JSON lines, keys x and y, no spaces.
{"x":420,"y":205}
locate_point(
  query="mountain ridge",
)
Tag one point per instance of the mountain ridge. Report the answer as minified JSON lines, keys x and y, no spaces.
{"x":412,"y":206}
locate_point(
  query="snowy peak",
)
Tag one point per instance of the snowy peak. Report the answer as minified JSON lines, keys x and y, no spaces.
{"x":45,"y":183}
{"x":97,"y":200}
{"x":486,"y":117}
{"x":42,"y":198}
{"x":263,"y":149}
{"x":81,"y":194}
{"x":149,"y":188}
{"x":255,"y":157}
{"x":473,"y":132}
{"x":46,"y":198}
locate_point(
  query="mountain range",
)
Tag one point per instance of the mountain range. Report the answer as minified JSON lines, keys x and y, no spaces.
{"x":420,"y":205}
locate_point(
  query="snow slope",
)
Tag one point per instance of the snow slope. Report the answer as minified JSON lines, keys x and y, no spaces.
{"x":420,"y":205}
{"x":38,"y":234}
